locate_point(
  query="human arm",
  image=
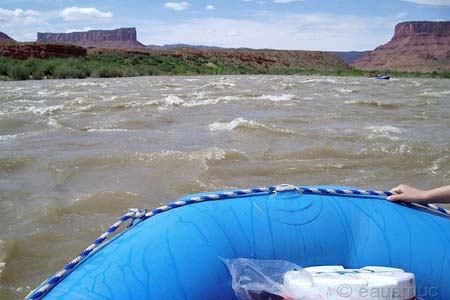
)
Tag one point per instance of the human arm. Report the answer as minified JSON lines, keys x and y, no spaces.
{"x":407,"y":193}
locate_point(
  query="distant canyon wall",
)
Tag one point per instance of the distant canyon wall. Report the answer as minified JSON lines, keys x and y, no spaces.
{"x":125,"y":38}
{"x":4,"y":38}
{"x":415,"y":46}
{"x":266,"y":61}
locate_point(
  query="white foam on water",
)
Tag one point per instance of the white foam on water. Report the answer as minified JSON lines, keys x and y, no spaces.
{"x":357,"y":102}
{"x":108,"y":130}
{"x":45,"y":109}
{"x":230,"y":98}
{"x":276,"y":98}
{"x":211,"y":154}
{"x":2,"y":256}
{"x":213,"y":101}
{"x":438,"y":164}
{"x":415,"y":83}
{"x":326,"y":80}
{"x":221,"y":84}
{"x":287,"y":86}
{"x":400,"y":149}
{"x":199,"y":95}
{"x":203,"y":155}
{"x":238,"y":122}
{"x":53,"y":123}
{"x":173,"y":100}
{"x":42,"y":92}
{"x":108,"y":98}
{"x":344,"y":91}
{"x":29,"y":101}
{"x":384,"y":131}
{"x":243,"y":123}
{"x":431,"y":94}
{"x":38,"y":110}
{"x":141,"y":104}
{"x":202,"y":102}
{"x":64,"y":94}
{"x":8,"y":137}
{"x":428,"y":93}
{"x":164,"y":103}
{"x":200,"y":99}
{"x":87,"y":83}
{"x":381,"y":104}
{"x":85,"y":108}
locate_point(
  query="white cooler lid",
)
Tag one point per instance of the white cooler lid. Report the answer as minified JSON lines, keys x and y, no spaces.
{"x":338,"y":283}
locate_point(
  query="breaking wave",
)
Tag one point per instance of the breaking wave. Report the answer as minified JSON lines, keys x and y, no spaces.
{"x":245,"y":124}
{"x":387,"y":131}
{"x":374,"y":103}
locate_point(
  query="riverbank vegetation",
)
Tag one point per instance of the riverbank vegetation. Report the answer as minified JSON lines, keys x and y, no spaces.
{"x":104,"y":65}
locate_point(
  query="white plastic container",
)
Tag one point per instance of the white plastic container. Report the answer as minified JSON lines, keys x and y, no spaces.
{"x":337,"y":283}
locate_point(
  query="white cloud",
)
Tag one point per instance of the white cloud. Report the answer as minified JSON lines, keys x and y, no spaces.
{"x":79,"y":30}
{"x":177,"y":5}
{"x":210,"y":7}
{"x":22,"y":25}
{"x":401,"y":15}
{"x":85,"y":13}
{"x":19,"y":16}
{"x":256,"y":1}
{"x":285,"y":1}
{"x":431,"y":2}
{"x":232,"y":33}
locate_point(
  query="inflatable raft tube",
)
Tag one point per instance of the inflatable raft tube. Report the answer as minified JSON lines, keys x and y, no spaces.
{"x":177,"y":254}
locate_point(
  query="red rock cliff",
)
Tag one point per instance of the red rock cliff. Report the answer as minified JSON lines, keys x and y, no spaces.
{"x":4,"y":38}
{"x":417,"y":29}
{"x":416,"y":46}
{"x":118,"y":38}
{"x":40,"y":50}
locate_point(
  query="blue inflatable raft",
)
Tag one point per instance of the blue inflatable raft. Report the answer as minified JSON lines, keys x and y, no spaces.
{"x":174,"y":252}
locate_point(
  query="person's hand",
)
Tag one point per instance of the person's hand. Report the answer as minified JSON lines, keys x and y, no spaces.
{"x":407,"y":193}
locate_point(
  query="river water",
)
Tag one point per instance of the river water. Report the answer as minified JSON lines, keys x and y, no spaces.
{"x":76,"y":154}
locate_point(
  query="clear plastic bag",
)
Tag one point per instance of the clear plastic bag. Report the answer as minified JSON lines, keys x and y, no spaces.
{"x":263,"y":280}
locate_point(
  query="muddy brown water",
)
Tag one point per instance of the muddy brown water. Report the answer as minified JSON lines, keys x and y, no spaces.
{"x":76,"y":154}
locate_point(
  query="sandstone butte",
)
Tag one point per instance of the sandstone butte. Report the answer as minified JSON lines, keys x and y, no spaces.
{"x":415,"y":47}
{"x":125,"y":38}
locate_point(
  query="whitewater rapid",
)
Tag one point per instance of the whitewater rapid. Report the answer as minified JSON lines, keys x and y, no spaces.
{"x":76,"y":154}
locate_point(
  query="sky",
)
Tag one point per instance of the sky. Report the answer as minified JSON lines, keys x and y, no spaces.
{"x":326,"y":25}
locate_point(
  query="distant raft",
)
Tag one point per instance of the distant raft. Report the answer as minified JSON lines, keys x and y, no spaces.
{"x":385,"y":77}
{"x":174,"y":252}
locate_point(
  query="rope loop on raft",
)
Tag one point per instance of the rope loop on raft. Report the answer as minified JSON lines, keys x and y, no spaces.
{"x":141,"y":214}
{"x":47,"y":285}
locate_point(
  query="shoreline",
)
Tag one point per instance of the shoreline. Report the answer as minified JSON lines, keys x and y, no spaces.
{"x":398,"y":76}
{"x":312,"y":74}
{"x":113,"y":65}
